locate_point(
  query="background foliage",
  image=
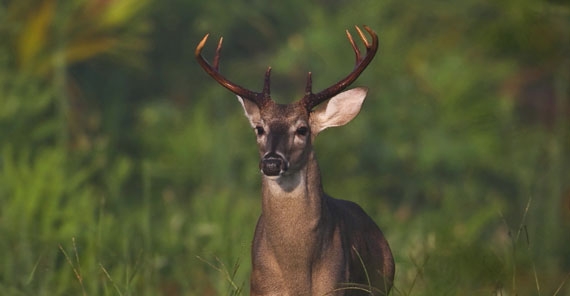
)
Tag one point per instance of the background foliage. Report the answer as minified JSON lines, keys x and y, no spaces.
{"x":125,"y":170}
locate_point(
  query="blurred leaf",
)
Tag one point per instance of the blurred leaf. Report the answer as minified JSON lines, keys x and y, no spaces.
{"x":80,"y":50}
{"x":34,"y":36}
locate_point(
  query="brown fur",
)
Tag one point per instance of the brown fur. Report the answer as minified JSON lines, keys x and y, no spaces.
{"x":306,"y":242}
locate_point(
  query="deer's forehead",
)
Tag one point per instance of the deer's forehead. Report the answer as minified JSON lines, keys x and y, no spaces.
{"x":284,"y":114}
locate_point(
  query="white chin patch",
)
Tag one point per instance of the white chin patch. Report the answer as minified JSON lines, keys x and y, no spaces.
{"x":272,"y":177}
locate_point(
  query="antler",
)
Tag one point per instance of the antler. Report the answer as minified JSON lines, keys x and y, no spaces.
{"x":259,"y":98}
{"x":310,"y":100}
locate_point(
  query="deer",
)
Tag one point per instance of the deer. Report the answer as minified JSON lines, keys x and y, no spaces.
{"x":305,"y":241}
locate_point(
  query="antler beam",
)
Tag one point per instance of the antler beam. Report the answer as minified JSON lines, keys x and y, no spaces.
{"x":259,"y":98}
{"x":310,"y":100}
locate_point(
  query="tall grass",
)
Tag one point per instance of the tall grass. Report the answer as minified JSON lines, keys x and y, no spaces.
{"x":75,"y":229}
{"x":106,"y":190}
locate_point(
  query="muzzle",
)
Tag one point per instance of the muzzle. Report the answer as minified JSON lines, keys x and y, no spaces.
{"x":273,"y":165}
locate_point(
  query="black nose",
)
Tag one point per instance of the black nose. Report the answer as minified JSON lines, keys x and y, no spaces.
{"x":272,"y":165}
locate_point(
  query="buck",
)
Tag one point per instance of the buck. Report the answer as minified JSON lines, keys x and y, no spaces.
{"x":306,"y":242}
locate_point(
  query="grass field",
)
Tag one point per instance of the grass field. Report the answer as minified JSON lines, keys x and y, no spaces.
{"x":125,"y":170}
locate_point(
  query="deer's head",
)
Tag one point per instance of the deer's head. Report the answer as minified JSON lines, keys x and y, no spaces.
{"x":285,"y":132}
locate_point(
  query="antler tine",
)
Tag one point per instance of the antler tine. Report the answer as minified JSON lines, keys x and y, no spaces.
{"x":354,"y":47}
{"x":266,"y":84}
{"x":309,"y":87}
{"x":362,"y":36}
{"x":311,"y":100}
{"x":217,"y":56}
{"x":213,"y":70}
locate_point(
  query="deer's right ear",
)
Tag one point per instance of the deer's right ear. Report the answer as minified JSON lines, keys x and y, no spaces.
{"x":339,"y":110}
{"x":251,"y":110}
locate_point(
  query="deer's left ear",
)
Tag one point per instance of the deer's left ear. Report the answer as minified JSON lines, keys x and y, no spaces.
{"x":339,"y":110}
{"x":251,"y":110}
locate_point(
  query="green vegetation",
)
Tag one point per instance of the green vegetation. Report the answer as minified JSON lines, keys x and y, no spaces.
{"x":125,"y":170}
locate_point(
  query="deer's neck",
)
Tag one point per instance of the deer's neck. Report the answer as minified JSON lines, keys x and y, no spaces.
{"x":295,"y":229}
{"x":293,"y":203}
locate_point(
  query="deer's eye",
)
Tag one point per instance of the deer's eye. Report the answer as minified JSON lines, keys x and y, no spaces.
{"x":259,"y":130}
{"x":302,"y":131}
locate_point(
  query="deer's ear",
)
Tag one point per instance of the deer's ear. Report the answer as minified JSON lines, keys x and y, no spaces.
{"x":339,"y":110}
{"x":251,"y":111}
